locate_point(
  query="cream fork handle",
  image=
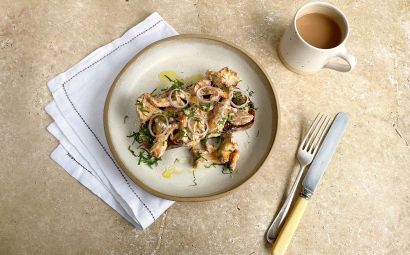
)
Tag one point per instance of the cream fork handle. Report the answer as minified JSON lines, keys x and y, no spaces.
{"x":277,"y":222}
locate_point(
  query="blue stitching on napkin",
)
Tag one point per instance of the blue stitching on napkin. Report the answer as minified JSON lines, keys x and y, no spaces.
{"x":86,"y":124}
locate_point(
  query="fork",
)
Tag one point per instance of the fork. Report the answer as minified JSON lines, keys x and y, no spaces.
{"x":306,"y":152}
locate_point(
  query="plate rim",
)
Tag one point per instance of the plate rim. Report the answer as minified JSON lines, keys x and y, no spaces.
{"x":135,"y":179}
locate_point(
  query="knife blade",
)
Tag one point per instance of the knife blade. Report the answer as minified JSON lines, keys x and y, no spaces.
{"x":324,"y":155}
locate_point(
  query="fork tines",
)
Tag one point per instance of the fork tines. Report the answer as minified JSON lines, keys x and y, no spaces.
{"x":316,"y":132}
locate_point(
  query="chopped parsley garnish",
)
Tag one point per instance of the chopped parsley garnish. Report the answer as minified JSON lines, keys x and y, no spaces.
{"x":140,"y":106}
{"x":224,"y":119}
{"x":171,"y":114}
{"x":131,"y":150}
{"x":143,"y":136}
{"x":145,"y":157}
{"x":252,"y":106}
{"x":176,"y":84}
{"x":236,"y":95}
{"x":148,"y":159}
{"x":134,"y":135}
{"x":210,"y":165}
{"x":250,"y":92}
{"x":158,"y":91}
{"x":238,"y":98}
{"x":181,"y":134}
{"x":153,"y":91}
{"x":206,"y":107}
{"x":199,"y":155}
{"x":190,"y":111}
{"x":194,"y":180}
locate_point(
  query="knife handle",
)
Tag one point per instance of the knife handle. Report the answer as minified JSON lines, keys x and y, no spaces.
{"x":288,"y":230}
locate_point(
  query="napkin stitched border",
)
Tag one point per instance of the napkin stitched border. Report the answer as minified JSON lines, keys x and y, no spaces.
{"x":86,"y":124}
{"x":78,"y":163}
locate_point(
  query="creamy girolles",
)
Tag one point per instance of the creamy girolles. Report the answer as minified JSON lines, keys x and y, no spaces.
{"x":200,"y":116}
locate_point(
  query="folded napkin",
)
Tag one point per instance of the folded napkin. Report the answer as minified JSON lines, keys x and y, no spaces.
{"x":79,"y":95}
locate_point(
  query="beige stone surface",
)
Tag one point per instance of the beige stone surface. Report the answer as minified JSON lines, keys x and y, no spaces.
{"x":362,"y":205}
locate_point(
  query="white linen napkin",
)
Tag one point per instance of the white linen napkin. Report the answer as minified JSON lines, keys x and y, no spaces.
{"x":79,"y":95}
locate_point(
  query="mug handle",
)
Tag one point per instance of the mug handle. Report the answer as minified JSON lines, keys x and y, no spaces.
{"x":346,"y":56}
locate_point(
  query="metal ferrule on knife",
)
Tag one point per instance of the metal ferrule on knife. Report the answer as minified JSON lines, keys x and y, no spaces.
{"x":306,"y":193}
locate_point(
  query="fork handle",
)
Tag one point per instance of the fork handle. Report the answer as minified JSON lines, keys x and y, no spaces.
{"x":277,"y":222}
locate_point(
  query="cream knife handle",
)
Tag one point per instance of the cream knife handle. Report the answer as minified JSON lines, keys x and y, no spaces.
{"x":288,"y":230}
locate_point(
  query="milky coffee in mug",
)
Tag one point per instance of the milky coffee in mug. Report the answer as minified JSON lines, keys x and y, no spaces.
{"x":319,"y":30}
{"x":316,"y":35}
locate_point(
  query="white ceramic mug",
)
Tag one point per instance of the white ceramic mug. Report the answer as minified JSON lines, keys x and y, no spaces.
{"x":303,"y":58}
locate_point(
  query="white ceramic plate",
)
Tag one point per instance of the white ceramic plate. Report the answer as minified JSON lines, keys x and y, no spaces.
{"x":189,"y":55}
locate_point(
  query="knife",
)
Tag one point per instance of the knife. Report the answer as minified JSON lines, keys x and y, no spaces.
{"x":310,"y":182}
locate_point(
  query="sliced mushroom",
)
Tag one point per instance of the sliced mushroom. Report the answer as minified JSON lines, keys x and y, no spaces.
{"x":212,"y":144}
{"x":199,"y":84}
{"x":225,"y":77}
{"x":218,"y":116}
{"x":242,"y":117}
{"x":227,"y":152}
{"x":161,"y":142}
{"x":160,"y":102}
{"x":233,"y":160}
{"x":202,"y":156}
{"x":145,"y":110}
{"x":227,"y":147}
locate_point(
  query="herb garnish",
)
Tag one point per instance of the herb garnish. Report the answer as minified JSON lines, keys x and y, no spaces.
{"x":224,"y":119}
{"x":194,"y":180}
{"x":158,"y":91}
{"x":134,"y":135}
{"x":210,"y":165}
{"x":176,"y":84}
{"x":250,"y":92}
{"x":238,"y":98}
{"x":206,"y":108}
{"x":181,"y":134}
{"x":190,"y":111}
{"x":171,"y":114}
{"x":146,"y":158}
{"x":252,"y":106}
{"x":199,"y":155}
{"x":140,"y":106}
{"x":131,"y":150}
{"x":143,"y":136}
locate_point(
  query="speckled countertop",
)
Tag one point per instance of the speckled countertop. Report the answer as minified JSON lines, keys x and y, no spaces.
{"x":362,"y":205}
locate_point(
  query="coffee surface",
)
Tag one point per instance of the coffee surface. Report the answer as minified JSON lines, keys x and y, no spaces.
{"x":319,"y":30}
